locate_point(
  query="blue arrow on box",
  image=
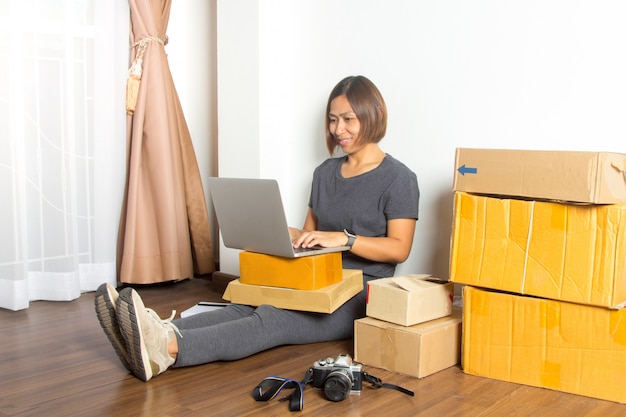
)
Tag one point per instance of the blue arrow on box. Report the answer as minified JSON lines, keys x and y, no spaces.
{"x":467,"y":170}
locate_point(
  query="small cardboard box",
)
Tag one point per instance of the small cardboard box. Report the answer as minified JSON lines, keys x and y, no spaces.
{"x":324,"y":300}
{"x":564,"y":252}
{"x":306,"y":273}
{"x":544,"y":343}
{"x":417,"y":351}
{"x":586,"y":177}
{"x":409,"y":299}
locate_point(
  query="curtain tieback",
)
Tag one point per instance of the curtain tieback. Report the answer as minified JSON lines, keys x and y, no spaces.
{"x":136,"y":70}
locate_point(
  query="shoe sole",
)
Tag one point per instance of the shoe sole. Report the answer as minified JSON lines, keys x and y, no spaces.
{"x":131,"y":330}
{"x":105,"y":310}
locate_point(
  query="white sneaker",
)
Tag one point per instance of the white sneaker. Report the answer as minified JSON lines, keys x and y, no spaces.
{"x":147,"y":335}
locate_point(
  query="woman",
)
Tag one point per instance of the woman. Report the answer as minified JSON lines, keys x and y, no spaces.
{"x":365,"y":199}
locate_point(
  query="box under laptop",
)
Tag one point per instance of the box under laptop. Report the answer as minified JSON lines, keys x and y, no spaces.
{"x":251,"y":217}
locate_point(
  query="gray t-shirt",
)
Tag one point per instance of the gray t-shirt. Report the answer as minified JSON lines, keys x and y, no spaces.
{"x":363,"y":204}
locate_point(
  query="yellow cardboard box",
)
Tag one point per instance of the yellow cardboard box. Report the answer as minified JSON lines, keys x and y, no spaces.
{"x":564,"y":252}
{"x":306,"y":273}
{"x":587,"y":177}
{"x":552,"y":344}
{"x":418,"y":350}
{"x":409,"y":299}
{"x":323,"y":300}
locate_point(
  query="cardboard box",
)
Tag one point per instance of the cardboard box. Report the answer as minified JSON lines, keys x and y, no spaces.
{"x":545,"y":343}
{"x":306,"y":273}
{"x":565,"y":252}
{"x":417,"y":351}
{"x":409,"y":299}
{"x":324,"y":300}
{"x":588,"y":177}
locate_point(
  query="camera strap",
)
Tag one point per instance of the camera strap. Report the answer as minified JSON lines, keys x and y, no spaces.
{"x":271,"y":386}
{"x":378,"y":383}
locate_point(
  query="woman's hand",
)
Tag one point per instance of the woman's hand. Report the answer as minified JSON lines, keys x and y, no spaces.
{"x":308,"y":239}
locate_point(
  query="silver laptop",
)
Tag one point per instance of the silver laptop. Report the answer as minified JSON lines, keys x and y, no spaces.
{"x":251,"y":217}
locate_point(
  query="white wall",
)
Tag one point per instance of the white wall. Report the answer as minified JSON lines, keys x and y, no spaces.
{"x":543,"y":74}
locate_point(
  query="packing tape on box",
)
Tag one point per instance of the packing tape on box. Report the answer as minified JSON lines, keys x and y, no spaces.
{"x":530,"y":233}
{"x":551,"y":375}
{"x":618,"y":330}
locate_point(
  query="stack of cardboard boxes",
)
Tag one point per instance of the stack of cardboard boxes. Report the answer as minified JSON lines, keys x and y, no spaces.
{"x":316,"y":283}
{"x":411,"y":326}
{"x":539,"y":240}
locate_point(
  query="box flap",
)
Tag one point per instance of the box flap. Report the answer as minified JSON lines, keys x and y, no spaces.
{"x":412,"y":282}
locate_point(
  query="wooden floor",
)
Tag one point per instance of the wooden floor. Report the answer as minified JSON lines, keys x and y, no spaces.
{"x":56,"y":361}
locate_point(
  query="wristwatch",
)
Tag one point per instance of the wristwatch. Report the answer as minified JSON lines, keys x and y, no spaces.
{"x":351,"y":237}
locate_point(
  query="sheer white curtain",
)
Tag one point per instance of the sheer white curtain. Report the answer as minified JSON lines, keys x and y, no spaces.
{"x":62,"y":152}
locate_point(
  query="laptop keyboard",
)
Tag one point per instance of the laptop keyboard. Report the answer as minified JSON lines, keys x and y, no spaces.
{"x":300,"y":250}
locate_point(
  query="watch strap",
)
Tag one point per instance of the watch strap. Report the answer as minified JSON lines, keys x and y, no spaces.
{"x":351,"y":238}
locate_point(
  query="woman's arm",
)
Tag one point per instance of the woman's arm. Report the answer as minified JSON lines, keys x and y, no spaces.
{"x":393,"y":248}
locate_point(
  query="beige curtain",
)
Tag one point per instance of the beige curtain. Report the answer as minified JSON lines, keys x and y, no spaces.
{"x":164,"y":228}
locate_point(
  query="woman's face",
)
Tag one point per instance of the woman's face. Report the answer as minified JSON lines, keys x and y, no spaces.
{"x":343,"y":124}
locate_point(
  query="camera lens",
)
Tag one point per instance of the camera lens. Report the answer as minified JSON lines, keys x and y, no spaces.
{"x":338,"y":385}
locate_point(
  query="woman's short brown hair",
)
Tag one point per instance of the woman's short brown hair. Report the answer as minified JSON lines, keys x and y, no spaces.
{"x":368,"y":105}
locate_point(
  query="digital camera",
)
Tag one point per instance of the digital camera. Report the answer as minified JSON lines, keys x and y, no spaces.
{"x":337,"y":377}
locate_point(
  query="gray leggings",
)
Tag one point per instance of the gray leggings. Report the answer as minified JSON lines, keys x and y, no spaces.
{"x":238,"y":331}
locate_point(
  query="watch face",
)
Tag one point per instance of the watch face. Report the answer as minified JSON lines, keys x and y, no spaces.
{"x":349,"y":232}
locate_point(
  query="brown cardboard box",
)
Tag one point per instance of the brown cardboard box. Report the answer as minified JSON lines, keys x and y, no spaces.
{"x":306,"y":273}
{"x":409,"y":299}
{"x":418,"y":350}
{"x":587,"y":177}
{"x":564,"y":252}
{"x":551,"y":344}
{"x":324,"y":300}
